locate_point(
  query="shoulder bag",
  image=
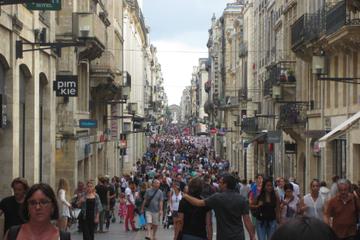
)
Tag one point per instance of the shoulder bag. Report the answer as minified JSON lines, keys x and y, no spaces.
{"x":148,"y":201}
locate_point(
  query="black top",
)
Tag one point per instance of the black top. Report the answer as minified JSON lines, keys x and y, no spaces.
{"x":229,"y":207}
{"x":194,"y":219}
{"x":267,"y":211}
{"x":90,"y":209}
{"x":102,"y":191}
{"x":12,"y":211}
{"x":182,"y":186}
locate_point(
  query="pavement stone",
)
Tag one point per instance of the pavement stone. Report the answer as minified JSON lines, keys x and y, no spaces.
{"x":117,"y":231}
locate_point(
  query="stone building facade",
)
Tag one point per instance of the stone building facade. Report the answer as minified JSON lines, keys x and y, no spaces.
{"x":27,"y":134}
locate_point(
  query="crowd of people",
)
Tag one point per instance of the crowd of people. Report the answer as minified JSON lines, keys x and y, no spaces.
{"x":180,"y":184}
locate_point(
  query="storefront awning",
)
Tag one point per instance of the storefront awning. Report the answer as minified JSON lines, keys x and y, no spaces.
{"x":339,"y":130}
{"x":259,"y":137}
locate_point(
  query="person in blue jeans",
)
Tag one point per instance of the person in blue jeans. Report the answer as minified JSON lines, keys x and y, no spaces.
{"x":267,"y":211}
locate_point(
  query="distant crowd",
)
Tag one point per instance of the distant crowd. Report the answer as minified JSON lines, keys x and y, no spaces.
{"x":180,"y":185}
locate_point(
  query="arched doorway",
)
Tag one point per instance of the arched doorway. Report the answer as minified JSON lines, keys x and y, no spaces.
{"x":43,"y":81}
{"x":24,"y":78}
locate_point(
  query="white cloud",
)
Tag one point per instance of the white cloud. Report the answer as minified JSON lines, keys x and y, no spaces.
{"x":177,"y":60}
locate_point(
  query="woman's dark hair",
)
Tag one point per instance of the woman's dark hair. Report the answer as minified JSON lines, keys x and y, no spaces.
{"x":229,"y":180}
{"x":262,"y":195}
{"x":304,"y":228}
{"x":48,"y":192}
{"x":196,"y":187}
{"x":288,"y":186}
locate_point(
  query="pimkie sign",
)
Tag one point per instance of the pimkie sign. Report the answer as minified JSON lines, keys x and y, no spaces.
{"x":66,"y":86}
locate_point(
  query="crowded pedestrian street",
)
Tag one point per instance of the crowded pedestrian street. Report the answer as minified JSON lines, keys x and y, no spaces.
{"x":180,"y":119}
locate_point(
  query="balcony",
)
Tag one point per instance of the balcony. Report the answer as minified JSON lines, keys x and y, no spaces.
{"x":249,"y":125}
{"x":104,"y":68}
{"x":344,"y":14}
{"x":91,"y":29}
{"x":292,"y":115}
{"x":281,"y":81}
{"x":308,"y":28}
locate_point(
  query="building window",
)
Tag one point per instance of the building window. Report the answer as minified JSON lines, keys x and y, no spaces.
{"x":2,"y":84}
{"x":42,"y":100}
{"x":22,"y":117}
{"x":339,"y":157}
{"x":83,"y":98}
{"x":344,"y":85}
{"x":355,"y":74}
{"x":336,"y":84}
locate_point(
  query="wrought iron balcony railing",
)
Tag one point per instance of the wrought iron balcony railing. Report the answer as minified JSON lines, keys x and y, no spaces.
{"x":292,"y":114}
{"x":249,"y":125}
{"x":341,"y":14}
{"x":307,"y":28}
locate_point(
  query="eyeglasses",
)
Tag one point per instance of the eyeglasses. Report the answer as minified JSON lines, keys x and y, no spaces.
{"x":41,"y":203}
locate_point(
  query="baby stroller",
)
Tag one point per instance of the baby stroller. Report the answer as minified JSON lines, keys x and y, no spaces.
{"x":168,"y":219}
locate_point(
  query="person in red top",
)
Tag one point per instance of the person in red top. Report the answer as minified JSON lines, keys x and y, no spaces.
{"x":342,"y":212}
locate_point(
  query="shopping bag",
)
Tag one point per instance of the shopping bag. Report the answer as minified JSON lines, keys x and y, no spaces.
{"x":141,"y":220}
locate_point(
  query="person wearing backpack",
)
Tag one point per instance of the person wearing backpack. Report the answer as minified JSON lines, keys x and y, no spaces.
{"x":39,"y":209}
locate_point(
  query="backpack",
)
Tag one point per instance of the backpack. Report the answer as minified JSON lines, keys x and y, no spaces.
{"x":14,"y":231}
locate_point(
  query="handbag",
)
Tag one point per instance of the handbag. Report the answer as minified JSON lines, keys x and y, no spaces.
{"x":148,"y":201}
{"x":141,"y":220}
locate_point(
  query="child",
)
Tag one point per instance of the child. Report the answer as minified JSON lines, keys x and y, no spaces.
{"x":122,"y":207}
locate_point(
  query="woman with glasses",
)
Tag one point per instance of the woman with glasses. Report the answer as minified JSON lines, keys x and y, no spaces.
{"x":175,"y":198}
{"x":91,"y":207}
{"x":39,"y":209}
{"x":64,"y":205}
{"x":290,"y":205}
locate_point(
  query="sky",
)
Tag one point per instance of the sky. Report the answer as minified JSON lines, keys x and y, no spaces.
{"x":179,"y":31}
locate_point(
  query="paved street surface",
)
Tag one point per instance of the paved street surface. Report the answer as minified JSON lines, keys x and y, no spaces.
{"x":117,"y":231}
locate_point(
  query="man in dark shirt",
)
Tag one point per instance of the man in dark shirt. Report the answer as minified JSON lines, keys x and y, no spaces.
{"x":11,"y":206}
{"x":231,"y":210}
{"x":104,"y":194}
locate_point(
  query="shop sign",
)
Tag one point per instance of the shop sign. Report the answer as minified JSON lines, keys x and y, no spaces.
{"x":87,"y":123}
{"x":66,"y":85}
{"x":290,"y":148}
{"x":53,"y":5}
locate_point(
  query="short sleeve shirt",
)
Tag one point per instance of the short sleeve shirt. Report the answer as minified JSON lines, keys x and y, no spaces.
{"x":129,"y":196}
{"x":154,"y":205}
{"x":12,"y":212}
{"x":229,"y":207}
{"x":194,"y":219}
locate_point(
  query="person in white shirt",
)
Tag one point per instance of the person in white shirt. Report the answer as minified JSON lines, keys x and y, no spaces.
{"x":296,"y":187}
{"x":312,"y":204}
{"x":175,"y":196}
{"x":130,"y":206}
{"x":64,"y":205}
{"x":324,"y":191}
